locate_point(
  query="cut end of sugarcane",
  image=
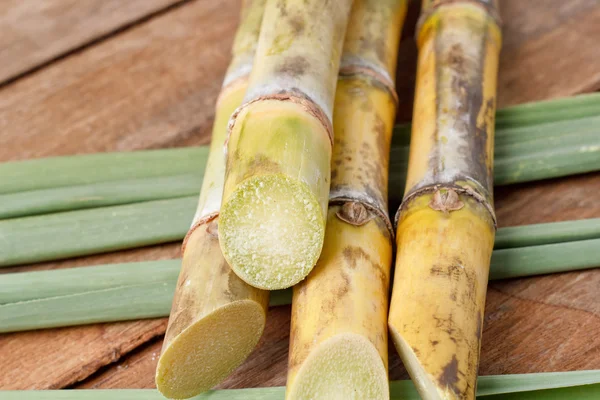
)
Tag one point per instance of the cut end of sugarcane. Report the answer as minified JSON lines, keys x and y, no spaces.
{"x":271,"y":231}
{"x":346,"y":366}
{"x":205,"y":353}
{"x":424,"y":382}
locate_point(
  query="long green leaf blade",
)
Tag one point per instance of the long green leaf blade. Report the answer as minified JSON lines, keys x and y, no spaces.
{"x":579,"y":385}
{"x":533,"y":141}
{"x":118,"y":292}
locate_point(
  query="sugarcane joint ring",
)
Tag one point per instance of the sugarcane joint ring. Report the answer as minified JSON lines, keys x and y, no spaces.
{"x":380,"y":77}
{"x":382,"y":215}
{"x":294,"y":96}
{"x":488,"y":5}
{"x":465,"y":190}
{"x":207,"y":219}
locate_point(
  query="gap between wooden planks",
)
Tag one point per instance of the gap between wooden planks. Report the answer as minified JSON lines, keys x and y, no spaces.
{"x":154,"y":85}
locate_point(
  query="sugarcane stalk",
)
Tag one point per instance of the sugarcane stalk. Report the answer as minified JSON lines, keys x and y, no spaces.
{"x":216,"y":318}
{"x":338,"y":341}
{"x":272,"y":221}
{"x":446,"y":223}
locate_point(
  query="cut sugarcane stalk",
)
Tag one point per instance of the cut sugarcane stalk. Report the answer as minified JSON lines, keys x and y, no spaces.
{"x":338,"y":341}
{"x":446,"y":223}
{"x":216,"y":318}
{"x":272,"y":221}
{"x":580,"y":385}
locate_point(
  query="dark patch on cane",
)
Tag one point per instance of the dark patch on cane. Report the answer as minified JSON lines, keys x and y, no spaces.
{"x":334,"y":173}
{"x":449,"y":375}
{"x":297,"y":24}
{"x":416,"y":351}
{"x":224,"y":269}
{"x":456,"y":59}
{"x":478,"y":331}
{"x":434,"y":343}
{"x":282,"y":7}
{"x":262,"y":163}
{"x":295,"y":66}
{"x":352,"y":254}
{"x":345,"y":288}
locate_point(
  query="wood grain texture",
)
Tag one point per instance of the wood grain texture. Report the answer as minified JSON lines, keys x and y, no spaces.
{"x":154,"y":85}
{"x":56,"y":358}
{"x":35,"y":32}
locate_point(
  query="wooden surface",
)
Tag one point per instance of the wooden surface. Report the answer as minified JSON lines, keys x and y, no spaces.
{"x":89,"y":76}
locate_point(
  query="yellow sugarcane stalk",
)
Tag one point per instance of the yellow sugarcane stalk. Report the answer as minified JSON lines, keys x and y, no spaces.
{"x":279,"y":150}
{"x":216,"y":318}
{"x":338,"y":342}
{"x":446,"y":224}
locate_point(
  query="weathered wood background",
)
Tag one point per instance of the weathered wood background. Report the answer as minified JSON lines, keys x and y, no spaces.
{"x":83,"y":76}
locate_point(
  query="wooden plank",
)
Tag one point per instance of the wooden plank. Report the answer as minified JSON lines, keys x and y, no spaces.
{"x":34,"y":33}
{"x":155,"y":84}
{"x":550,"y":50}
{"x":152,"y":86}
{"x":56,"y":358}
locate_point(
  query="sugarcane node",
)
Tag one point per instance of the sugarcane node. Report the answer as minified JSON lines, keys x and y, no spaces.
{"x":464,"y":190}
{"x":446,"y":201}
{"x":354,"y":213}
{"x":337,"y":198}
{"x":356,"y":67}
{"x":489,"y":6}
{"x":295,"y":96}
{"x":202,"y":221}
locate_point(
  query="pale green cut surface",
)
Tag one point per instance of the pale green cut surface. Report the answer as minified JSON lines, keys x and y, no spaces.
{"x":344,"y":367}
{"x":271,"y":231}
{"x":206,"y":352}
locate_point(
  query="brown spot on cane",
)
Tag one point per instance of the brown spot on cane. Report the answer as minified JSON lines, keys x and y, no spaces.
{"x":262,"y":164}
{"x":297,"y":24}
{"x":293,"y":66}
{"x":449,"y":375}
{"x":352,"y":254}
{"x":354,"y":213}
{"x":446,"y":201}
{"x":478,"y":331}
